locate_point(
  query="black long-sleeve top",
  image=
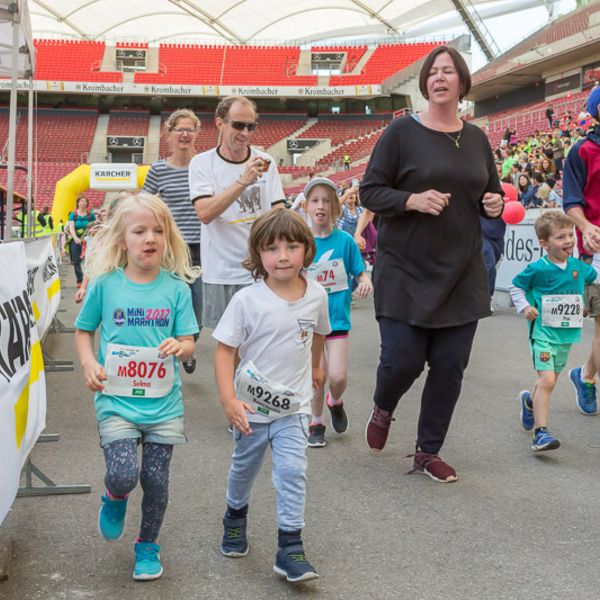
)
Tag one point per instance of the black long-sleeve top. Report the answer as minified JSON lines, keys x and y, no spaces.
{"x":429,"y":270}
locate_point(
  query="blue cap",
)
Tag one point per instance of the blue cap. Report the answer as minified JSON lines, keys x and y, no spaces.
{"x":593,"y":102}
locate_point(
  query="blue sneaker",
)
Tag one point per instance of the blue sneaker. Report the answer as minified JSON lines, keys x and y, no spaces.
{"x":585,"y":393}
{"x":147,"y":561}
{"x":292,"y":564}
{"x":526,"y":410}
{"x":111,"y":518}
{"x":235,"y":542}
{"x":544,"y":440}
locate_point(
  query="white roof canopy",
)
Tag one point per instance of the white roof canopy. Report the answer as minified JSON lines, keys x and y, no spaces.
{"x":25,"y":60}
{"x":245,"y":21}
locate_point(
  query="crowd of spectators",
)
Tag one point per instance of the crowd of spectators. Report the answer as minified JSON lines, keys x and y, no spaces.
{"x":534,"y":165}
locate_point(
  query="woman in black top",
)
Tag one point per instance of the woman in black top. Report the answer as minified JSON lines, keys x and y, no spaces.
{"x":430,"y":177}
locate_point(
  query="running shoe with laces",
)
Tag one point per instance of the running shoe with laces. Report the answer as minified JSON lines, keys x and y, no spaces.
{"x":189,"y":365}
{"x":291,"y":563}
{"x":316,"y":436}
{"x":585,"y":393}
{"x":147,"y":561}
{"x":432,"y":465}
{"x":378,"y":428}
{"x":111,"y":518}
{"x":235,"y":541}
{"x":339,"y":418}
{"x":543,"y":440}
{"x":526,"y":415}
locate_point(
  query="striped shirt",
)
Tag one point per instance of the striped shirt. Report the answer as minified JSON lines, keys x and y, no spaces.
{"x":171,"y":184}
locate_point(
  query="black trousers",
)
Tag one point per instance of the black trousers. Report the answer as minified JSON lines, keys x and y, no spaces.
{"x":75,"y":253}
{"x":405,"y":349}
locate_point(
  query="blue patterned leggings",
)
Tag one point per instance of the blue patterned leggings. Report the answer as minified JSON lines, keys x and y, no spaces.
{"x":122,"y":473}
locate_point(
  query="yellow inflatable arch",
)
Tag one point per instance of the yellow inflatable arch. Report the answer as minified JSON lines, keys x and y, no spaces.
{"x":78,"y":182}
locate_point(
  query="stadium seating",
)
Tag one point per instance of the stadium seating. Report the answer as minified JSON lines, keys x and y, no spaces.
{"x":75,"y":60}
{"x":386,"y":60}
{"x":527,"y":119}
{"x":128,"y":123}
{"x":339,"y":131}
{"x":72,"y":60}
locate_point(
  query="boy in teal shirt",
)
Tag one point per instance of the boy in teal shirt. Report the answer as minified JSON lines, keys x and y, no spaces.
{"x":549,"y":293}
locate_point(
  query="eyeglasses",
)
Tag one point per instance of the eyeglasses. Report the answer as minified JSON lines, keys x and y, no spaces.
{"x":240,"y":125}
{"x":182,"y":130}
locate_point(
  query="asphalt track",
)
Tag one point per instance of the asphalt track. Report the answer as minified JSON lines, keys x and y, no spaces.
{"x":515,"y":526}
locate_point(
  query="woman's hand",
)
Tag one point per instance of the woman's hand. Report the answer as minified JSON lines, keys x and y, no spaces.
{"x":492,"y":204}
{"x":430,"y":202}
{"x":531,"y":313}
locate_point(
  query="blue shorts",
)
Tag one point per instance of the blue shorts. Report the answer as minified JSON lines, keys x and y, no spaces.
{"x":116,"y":428}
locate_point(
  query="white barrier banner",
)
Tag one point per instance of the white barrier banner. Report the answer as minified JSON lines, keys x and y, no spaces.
{"x":43,"y":282}
{"x":22,"y":378}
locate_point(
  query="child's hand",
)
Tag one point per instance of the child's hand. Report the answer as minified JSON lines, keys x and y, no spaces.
{"x":531,"y":313}
{"x":318,"y":377}
{"x":79,"y":294}
{"x":94,"y":374}
{"x":364,"y":288}
{"x":235,"y":411}
{"x":170,"y":347}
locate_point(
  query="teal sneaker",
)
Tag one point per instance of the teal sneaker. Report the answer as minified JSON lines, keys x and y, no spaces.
{"x":147,"y":561}
{"x":111,"y":518}
{"x":527,"y":420}
{"x":543,"y":440}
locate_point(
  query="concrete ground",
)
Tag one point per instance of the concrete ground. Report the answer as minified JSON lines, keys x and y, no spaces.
{"x":515,"y":525}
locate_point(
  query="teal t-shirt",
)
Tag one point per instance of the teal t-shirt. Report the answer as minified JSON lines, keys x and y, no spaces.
{"x":542,"y":278}
{"x":138,"y":315}
{"x":340,"y":245}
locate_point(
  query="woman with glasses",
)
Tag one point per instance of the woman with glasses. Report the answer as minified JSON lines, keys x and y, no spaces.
{"x":169,"y":179}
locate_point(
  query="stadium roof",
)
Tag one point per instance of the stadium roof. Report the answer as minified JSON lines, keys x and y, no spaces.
{"x":247,"y":21}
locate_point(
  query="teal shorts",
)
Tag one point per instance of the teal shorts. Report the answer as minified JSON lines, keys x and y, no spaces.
{"x":548,"y":356}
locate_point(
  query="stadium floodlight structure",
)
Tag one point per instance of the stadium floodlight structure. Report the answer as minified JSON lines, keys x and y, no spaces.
{"x":17,"y":60}
{"x":254,"y":21}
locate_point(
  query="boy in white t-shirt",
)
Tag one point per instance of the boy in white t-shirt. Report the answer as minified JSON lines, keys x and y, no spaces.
{"x":277,"y":326}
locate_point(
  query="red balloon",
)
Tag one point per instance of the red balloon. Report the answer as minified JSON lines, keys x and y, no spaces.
{"x":513,"y":213}
{"x":510,"y":192}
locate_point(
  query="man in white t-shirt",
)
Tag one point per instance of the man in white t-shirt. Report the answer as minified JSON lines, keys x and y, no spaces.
{"x":230,"y":186}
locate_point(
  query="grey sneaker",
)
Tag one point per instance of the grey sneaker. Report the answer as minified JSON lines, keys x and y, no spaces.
{"x":339,"y":418}
{"x":316,"y":436}
{"x":235,"y":542}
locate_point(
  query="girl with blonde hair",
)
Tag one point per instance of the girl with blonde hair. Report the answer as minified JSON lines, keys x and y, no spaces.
{"x":139,"y":298}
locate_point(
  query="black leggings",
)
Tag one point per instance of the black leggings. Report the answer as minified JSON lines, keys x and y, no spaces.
{"x":122,"y":474}
{"x":404,"y":351}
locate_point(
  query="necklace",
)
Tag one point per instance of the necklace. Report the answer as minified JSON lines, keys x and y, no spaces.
{"x":456,"y":139}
